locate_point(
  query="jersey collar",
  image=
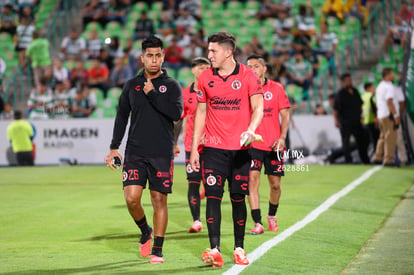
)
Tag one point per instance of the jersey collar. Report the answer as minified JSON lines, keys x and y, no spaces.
{"x":192,"y":88}
{"x":235,"y":71}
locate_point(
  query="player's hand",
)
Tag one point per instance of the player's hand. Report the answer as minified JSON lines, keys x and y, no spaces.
{"x":148,"y":86}
{"x":195,"y":161}
{"x":246,"y":138}
{"x":278,"y":145}
{"x":337,"y":124}
{"x":397,"y":120}
{"x":176,"y":150}
{"x":110,"y":156}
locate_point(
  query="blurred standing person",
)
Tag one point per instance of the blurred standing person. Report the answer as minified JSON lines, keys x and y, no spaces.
{"x":78,"y":75}
{"x":20,"y":133}
{"x":25,"y":32}
{"x":399,"y":102}
{"x":269,"y":152}
{"x":230,"y":106}
{"x":369,"y":113}
{"x":61,"y":100}
{"x":98,"y":76}
{"x":347,"y":114}
{"x":38,"y":53}
{"x":153,"y":101}
{"x":144,"y":27}
{"x":120,"y":73}
{"x":83,"y":103}
{"x":40,"y":102}
{"x":388,"y":119}
{"x":198,"y":65}
{"x":73,"y":46}
{"x":8,"y":20}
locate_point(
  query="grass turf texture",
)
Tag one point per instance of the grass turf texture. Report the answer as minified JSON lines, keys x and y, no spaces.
{"x":74,"y":220}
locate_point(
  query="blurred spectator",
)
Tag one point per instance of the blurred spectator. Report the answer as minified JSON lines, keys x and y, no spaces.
{"x":117,"y":11}
{"x":3,"y":67}
{"x":173,"y":56}
{"x":283,"y":5}
{"x":400,"y":105}
{"x":120,"y":73}
{"x":257,"y":47}
{"x":302,"y":40}
{"x":266,"y":10}
{"x":73,"y":46}
{"x":28,"y":13}
{"x":369,"y":113}
{"x":133,"y":56}
{"x":166,"y":24}
{"x":356,"y":9}
{"x":40,"y":102}
{"x":192,"y":51}
{"x":114,"y":49}
{"x":319,"y":110}
{"x":106,"y":59}
{"x":306,"y":19}
{"x":98,"y":76}
{"x":411,"y":5}
{"x":38,"y":53}
{"x":405,"y":12}
{"x":183,"y":38}
{"x":61,"y":100}
{"x":397,"y":33}
{"x":78,"y":75}
{"x":312,"y":59}
{"x":144,"y":27}
{"x":278,"y":70}
{"x":83,"y":103}
{"x":327,"y":42}
{"x":60,"y":73}
{"x":94,"y":44}
{"x":8,"y":20}
{"x":299,"y":72}
{"x":94,"y":10}
{"x":333,"y":8}
{"x":283,"y":21}
{"x":193,"y":6}
{"x":186,"y":20}
{"x":245,"y":52}
{"x":282,"y":43}
{"x":331,"y":102}
{"x":201,"y":39}
{"x":25,"y":32}
{"x":7,"y":113}
{"x":347,"y":113}
{"x":20,"y":133}
{"x":27,"y":4}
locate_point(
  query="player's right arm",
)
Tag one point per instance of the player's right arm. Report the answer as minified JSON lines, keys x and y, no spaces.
{"x":199,"y":122}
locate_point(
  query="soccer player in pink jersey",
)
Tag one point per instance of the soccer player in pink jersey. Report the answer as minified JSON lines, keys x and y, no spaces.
{"x":270,"y":151}
{"x":198,"y":65}
{"x":229,"y":109}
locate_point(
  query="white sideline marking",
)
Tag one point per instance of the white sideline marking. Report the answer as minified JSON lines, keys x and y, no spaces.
{"x":262,"y":249}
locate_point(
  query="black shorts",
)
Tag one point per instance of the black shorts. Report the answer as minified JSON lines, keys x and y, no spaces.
{"x":219,"y":165}
{"x":191,"y":174}
{"x":158,"y":171}
{"x":17,"y":48}
{"x":273,"y":161}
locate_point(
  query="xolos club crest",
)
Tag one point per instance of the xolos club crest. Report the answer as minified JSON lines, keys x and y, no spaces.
{"x":236,"y":84}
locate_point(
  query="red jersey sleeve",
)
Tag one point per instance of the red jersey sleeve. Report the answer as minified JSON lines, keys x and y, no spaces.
{"x":201,"y":88}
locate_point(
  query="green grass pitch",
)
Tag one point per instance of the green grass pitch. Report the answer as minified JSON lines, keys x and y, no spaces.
{"x":57,"y":220}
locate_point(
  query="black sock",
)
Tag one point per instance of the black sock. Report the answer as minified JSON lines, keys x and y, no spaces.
{"x":273,"y":209}
{"x":193,"y":195}
{"x":239,"y":218}
{"x":256,"y":215}
{"x":213,"y":218}
{"x":143,"y":225}
{"x":157,"y":247}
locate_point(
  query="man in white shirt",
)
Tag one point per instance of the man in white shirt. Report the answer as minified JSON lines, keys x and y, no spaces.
{"x":388,"y":119}
{"x":399,"y":103}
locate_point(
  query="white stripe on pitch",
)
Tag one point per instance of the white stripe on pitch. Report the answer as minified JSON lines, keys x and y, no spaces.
{"x":262,"y":249}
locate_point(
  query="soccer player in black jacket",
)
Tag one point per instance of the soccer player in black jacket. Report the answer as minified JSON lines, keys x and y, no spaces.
{"x":153,"y":101}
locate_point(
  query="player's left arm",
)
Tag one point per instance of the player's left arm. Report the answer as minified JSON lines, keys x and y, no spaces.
{"x":279,"y":144}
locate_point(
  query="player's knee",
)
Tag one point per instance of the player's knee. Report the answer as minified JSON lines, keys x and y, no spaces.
{"x":132,"y":201}
{"x":237,"y":198}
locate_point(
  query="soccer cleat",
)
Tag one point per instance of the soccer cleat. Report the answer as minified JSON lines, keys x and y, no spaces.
{"x":257,"y":230}
{"x":196,"y":227}
{"x":145,"y":244}
{"x":212,"y":257}
{"x":240,"y":257}
{"x":156,"y":259}
{"x":272,"y":223}
{"x":202,"y":192}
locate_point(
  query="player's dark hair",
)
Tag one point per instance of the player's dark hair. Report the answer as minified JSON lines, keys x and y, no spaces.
{"x":345,"y":76}
{"x":223,"y":38}
{"x":258,"y":57}
{"x":152,"y":42}
{"x":18,"y":114}
{"x":368,"y":85}
{"x":200,"y":61}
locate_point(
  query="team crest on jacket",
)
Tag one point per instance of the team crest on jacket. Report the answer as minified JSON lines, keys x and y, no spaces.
{"x":162,"y":89}
{"x":199,"y":94}
{"x":236,"y":84}
{"x":211,"y":180}
{"x":267,"y":95}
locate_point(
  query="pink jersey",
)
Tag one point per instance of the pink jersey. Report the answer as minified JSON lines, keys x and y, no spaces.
{"x":274,"y":100}
{"x":190,"y":106}
{"x":228,"y":105}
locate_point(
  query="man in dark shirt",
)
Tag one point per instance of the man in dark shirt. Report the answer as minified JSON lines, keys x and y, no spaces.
{"x":347,"y":113}
{"x":153,"y":101}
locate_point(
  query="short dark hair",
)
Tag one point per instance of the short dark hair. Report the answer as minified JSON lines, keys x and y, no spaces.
{"x":386,"y":71}
{"x":43,"y":81}
{"x":344,"y":76}
{"x":258,"y":57}
{"x":223,"y":38}
{"x":18,"y":114}
{"x":200,"y":61}
{"x":152,"y":42}
{"x":368,"y":85}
